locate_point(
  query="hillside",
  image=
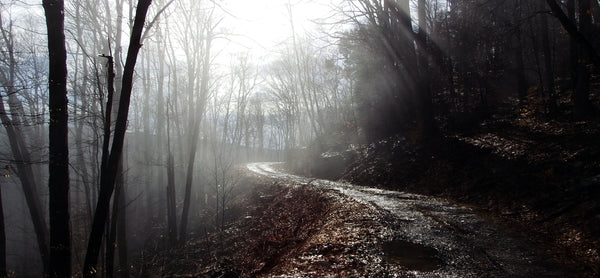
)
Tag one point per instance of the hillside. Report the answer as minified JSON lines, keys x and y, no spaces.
{"x":540,"y":177}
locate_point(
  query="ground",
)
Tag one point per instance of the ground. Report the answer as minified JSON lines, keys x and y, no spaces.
{"x":512,"y":198}
{"x":413,"y":235}
{"x":292,"y":226}
{"x":540,"y":177}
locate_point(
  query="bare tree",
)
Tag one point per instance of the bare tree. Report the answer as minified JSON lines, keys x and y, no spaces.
{"x":2,"y":235}
{"x":58,"y":182}
{"x":18,"y":144}
{"x":572,"y":29}
{"x":108,"y":176}
{"x":199,"y":108}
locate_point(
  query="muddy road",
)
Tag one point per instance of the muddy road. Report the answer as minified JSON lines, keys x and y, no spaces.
{"x":420,"y":236}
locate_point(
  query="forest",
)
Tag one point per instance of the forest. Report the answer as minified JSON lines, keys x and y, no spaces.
{"x":127,"y":125}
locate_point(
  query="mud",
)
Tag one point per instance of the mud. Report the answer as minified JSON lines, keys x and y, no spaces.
{"x":411,"y":256}
{"x":413,"y":235}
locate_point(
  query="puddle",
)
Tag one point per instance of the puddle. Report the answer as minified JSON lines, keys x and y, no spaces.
{"x":411,"y":256}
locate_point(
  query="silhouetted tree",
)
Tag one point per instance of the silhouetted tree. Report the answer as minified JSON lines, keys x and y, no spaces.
{"x":2,"y":237}
{"x":580,"y":34}
{"x":108,"y":177}
{"x":58,"y":182}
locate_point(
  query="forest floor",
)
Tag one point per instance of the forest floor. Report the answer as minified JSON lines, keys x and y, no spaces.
{"x":515,"y":198}
{"x":291,"y":226}
{"x":278,"y":228}
{"x":399,"y":234}
{"x":540,"y":177}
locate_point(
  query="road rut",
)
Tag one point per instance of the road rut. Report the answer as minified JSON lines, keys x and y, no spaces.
{"x":429,"y":237}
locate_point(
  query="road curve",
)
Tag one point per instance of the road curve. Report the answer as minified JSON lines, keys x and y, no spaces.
{"x":466,"y":244}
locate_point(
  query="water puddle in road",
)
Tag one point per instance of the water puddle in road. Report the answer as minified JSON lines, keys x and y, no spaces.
{"x":411,"y":256}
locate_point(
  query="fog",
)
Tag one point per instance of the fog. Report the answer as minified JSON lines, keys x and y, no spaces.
{"x":218,"y":84}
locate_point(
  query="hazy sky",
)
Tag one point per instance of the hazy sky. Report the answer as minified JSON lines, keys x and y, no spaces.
{"x":261,"y":25}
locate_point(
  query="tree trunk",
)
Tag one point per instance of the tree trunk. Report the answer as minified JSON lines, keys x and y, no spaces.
{"x":548,"y":67}
{"x":123,"y":270}
{"x":425,"y":106}
{"x":108,"y":177}
{"x":112,"y":234}
{"x":118,"y":225}
{"x":518,"y":52}
{"x":26,"y":176}
{"x":80,"y":125}
{"x":171,"y":200}
{"x":171,"y":196}
{"x":194,"y":138}
{"x":582,"y":105}
{"x":160,"y":118}
{"x":58,"y":182}
{"x":575,"y":34}
{"x":2,"y":238}
{"x":147,"y":143}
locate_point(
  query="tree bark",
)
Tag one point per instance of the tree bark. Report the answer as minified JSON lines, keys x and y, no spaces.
{"x":425,"y":105}
{"x":21,"y":154}
{"x":123,"y":270}
{"x":171,"y":196}
{"x":578,"y":36}
{"x":2,"y":239}
{"x":58,"y":182}
{"x":110,"y":81}
{"x":28,"y":183}
{"x":171,"y":200}
{"x":548,"y":67}
{"x":582,"y":105}
{"x":116,"y":214}
{"x":520,"y":63}
{"x":108,"y":177}
{"x":194,"y":138}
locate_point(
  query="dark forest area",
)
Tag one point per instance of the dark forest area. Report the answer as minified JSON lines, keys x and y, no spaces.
{"x":130,"y":129}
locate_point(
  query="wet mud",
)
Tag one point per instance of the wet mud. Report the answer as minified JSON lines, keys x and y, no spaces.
{"x":412,"y":235}
{"x":411,"y":256}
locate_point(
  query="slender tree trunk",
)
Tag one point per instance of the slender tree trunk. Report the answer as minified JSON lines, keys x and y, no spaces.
{"x":548,"y":67}
{"x":2,"y":238}
{"x":573,"y":49}
{"x":518,"y":52}
{"x":110,"y":81}
{"x":81,"y":163}
{"x":521,"y":78}
{"x":189,"y":181}
{"x":171,"y":196}
{"x":582,"y":105}
{"x":424,"y":90}
{"x":575,"y":34}
{"x":26,"y":176}
{"x":194,"y":138}
{"x":171,"y":200}
{"x":300,"y":80}
{"x":108,"y":177}
{"x":112,"y":234}
{"x":117,"y":237}
{"x":80,"y":124}
{"x":147,"y":143}
{"x":596,"y":26}
{"x":160,"y":117}
{"x":22,"y":157}
{"x":58,"y":182}
{"x":123,"y":270}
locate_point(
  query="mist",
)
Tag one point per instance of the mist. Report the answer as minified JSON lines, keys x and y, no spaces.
{"x":359,"y":90}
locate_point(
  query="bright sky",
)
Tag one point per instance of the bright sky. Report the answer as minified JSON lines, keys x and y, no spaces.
{"x":260,"y":25}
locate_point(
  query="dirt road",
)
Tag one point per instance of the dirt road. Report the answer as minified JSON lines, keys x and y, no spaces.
{"x":420,"y":236}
